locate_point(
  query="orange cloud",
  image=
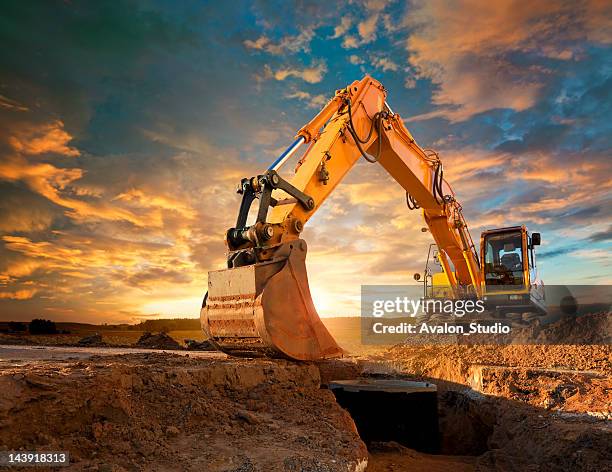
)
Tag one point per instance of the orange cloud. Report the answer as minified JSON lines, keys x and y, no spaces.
{"x":463,"y":46}
{"x":61,"y":185}
{"x":48,"y":138}
{"x":287,"y":44}
{"x":138,"y":197}
{"x":10,"y":104}
{"x":18,"y":295}
{"x":53,"y":183}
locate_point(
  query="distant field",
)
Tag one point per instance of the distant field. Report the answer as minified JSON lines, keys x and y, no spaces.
{"x":346,"y":331}
{"x":112,"y":337}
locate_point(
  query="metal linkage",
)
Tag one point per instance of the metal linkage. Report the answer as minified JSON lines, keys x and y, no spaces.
{"x":261,"y":187}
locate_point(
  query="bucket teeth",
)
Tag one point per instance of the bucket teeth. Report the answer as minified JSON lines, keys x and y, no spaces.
{"x":266,"y":309}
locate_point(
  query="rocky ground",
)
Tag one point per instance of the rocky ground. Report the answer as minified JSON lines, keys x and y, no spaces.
{"x":501,"y":407}
{"x":168,"y":412}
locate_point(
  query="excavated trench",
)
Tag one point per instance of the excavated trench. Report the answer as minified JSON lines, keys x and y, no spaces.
{"x":407,"y":424}
{"x":498,"y":408}
{"x":389,"y":410}
{"x":168,"y":412}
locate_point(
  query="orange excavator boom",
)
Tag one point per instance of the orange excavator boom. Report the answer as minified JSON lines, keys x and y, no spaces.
{"x":261,"y":303}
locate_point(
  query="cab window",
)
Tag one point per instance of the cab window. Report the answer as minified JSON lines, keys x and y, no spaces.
{"x":504,"y":259}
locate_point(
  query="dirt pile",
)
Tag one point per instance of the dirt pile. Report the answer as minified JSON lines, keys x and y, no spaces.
{"x":158,"y":341}
{"x":453,"y":362}
{"x":589,"y":328}
{"x":541,"y":407}
{"x":193,"y":345}
{"x":528,"y":439}
{"x":95,"y":340}
{"x":508,"y":435}
{"x":557,"y":389}
{"x":165,"y":412}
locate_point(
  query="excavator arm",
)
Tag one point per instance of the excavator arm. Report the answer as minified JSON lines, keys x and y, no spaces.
{"x":261,"y":304}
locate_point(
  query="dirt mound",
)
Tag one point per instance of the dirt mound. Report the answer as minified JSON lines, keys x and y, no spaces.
{"x":452,"y":362}
{"x":94,"y":340}
{"x":166,"y":412}
{"x":193,"y":345}
{"x":590,"y":328}
{"x":158,"y":341}
{"x":524,"y":439}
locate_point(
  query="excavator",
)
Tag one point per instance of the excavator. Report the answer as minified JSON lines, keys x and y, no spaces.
{"x":261,"y":305}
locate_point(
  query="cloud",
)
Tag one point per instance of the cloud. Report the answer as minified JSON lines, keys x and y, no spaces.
{"x":384,"y":63}
{"x":367,"y":29}
{"x":312,"y":101}
{"x":598,"y":21}
{"x":23,"y":211}
{"x":469,"y":50}
{"x":342,"y":28}
{"x":47,"y":138}
{"x":18,"y":294}
{"x":312,"y":75}
{"x":55,"y":184}
{"x":286,"y":45}
{"x":410,"y":82}
{"x":355,"y":60}
{"x":562,"y":251}
{"x":152,"y":276}
{"x":601,"y":235}
{"x":350,"y":42}
{"x":141,"y":199}
{"x":9,"y":104}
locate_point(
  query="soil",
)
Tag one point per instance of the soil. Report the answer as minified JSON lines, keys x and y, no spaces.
{"x":519,"y":407}
{"x":168,"y":412}
{"x":589,"y":328}
{"x":158,"y":341}
{"x":501,"y":407}
{"x":393,"y":457}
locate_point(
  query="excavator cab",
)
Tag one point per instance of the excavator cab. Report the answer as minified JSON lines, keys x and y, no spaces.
{"x":508,"y":263}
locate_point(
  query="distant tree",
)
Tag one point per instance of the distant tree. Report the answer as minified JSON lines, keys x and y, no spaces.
{"x":39,"y":326}
{"x":16,"y":326}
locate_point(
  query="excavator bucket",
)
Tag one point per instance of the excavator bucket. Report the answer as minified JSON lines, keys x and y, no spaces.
{"x":265,"y":309}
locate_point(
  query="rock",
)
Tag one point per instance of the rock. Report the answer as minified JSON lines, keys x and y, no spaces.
{"x":194,"y":345}
{"x":246,"y":416}
{"x":158,"y":341}
{"x":172,"y":431}
{"x":93,"y":340}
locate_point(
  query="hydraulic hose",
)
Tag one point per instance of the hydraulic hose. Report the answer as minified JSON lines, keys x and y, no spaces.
{"x":376,"y":123}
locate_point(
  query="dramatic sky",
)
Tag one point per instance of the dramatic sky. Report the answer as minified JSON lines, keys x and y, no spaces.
{"x":125,"y":126}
